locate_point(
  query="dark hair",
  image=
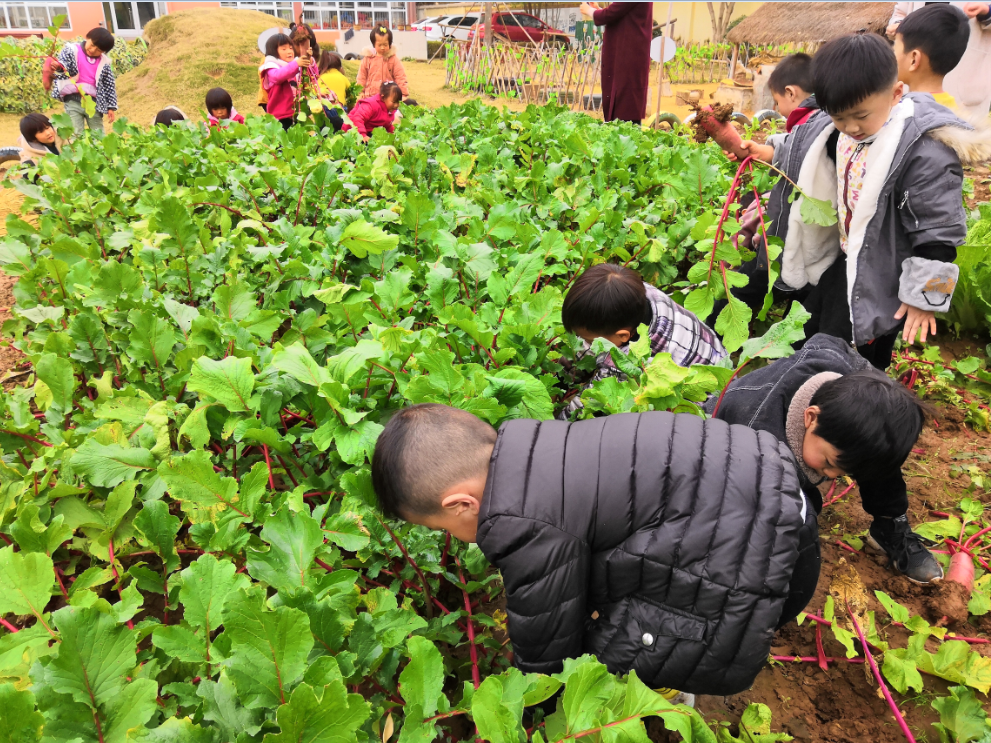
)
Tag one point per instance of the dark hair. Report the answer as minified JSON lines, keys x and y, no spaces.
{"x":939,"y":31}
{"x":795,"y":69}
{"x":871,"y":420}
{"x":33,"y":124}
{"x":423,"y":450}
{"x":850,"y":69}
{"x":410,"y":102}
{"x":103,"y":39}
{"x":169,"y":116}
{"x":604,"y":299}
{"x":390,"y":91}
{"x":274,"y":42}
{"x":330,"y":61}
{"x":219,"y":98}
{"x":380,"y":30}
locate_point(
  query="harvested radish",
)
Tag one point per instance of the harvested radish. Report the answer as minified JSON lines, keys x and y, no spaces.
{"x":714,"y":122}
{"x":962,"y":571}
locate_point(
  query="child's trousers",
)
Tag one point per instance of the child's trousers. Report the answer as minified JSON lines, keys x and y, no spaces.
{"x":830,"y":310}
{"x":805,"y":578}
{"x":74,"y":107}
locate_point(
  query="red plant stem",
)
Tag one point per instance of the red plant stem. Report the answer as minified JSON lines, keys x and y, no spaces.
{"x":960,"y":548}
{"x":165,"y":592}
{"x":113,"y":569}
{"x":849,"y":487}
{"x":27,"y":438}
{"x":821,"y":652}
{"x":728,"y":383}
{"x":942,"y":514}
{"x":286,"y":468}
{"x":475,"y":676}
{"x":880,"y":679}
{"x":847,"y":547}
{"x":20,"y":454}
{"x":811,"y":659}
{"x":61,"y":585}
{"x":8,"y":626}
{"x":969,"y":544}
{"x":268,"y":463}
{"x":819,"y":620}
{"x":324,"y":565}
{"x":730,"y":198}
{"x":832,"y":487}
{"x":412,"y":564}
{"x":234,"y":460}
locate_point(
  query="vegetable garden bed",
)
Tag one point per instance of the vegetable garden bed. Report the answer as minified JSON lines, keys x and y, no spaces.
{"x":220,"y":323}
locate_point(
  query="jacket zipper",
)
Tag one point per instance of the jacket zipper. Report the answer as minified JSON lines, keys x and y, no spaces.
{"x":846,"y":189}
{"x":906,"y":202}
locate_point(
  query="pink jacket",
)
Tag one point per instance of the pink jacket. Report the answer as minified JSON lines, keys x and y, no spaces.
{"x":234,"y":118}
{"x":278,"y":78}
{"x":369,"y":113}
{"x":376,"y":69}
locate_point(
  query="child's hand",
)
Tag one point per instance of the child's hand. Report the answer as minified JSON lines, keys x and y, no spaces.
{"x":916,"y":321}
{"x":111,"y":116}
{"x":758,"y":151}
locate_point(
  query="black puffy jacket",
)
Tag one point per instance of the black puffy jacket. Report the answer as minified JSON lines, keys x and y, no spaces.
{"x":681,"y":533}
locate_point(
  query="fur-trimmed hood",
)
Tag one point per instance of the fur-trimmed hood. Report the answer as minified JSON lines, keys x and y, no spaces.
{"x":972,"y":145}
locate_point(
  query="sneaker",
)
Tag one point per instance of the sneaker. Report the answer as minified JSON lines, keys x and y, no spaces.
{"x":906,"y":549}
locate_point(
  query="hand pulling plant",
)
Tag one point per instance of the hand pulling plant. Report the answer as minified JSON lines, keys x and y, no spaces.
{"x":218,"y":328}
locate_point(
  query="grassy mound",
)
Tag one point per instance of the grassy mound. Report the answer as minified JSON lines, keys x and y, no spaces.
{"x":192,"y":51}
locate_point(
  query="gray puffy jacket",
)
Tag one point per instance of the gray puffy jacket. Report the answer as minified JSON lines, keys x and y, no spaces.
{"x":681,"y":533}
{"x":911,"y":198}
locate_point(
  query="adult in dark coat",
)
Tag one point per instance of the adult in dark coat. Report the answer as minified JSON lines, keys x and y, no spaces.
{"x":682,"y":534}
{"x":625,"y":57}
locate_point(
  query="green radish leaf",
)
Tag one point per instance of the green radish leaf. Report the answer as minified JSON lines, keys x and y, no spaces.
{"x":362,"y":239}
{"x":328,"y":715}
{"x":207,"y":584}
{"x":159,"y":529}
{"x":229,"y":381}
{"x":293,"y":543}
{"x":26,"y":580}
{"x":422,"y":681}
{"x":95,"y":656}
{"x":108,"y":466}
{"x":20,"y":721}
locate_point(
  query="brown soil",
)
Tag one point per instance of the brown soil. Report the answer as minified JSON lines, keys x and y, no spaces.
{"x":10,"y":358}
{"x":843,"y":704}
{"x":980,"y":176}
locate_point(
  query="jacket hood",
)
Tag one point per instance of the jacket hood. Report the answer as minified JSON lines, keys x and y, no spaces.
{"x":34,"y":148}
{"x":272,"y":63}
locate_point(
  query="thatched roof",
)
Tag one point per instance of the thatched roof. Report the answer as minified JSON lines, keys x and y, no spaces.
{"x":783,"y":23}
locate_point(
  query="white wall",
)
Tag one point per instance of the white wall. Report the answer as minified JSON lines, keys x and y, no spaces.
{"x":408,"y":44}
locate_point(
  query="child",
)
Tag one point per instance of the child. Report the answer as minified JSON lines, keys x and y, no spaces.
{"x":610,"y":302}
{"x":381,"y":64}
{"x":791,"y":86}
{"x":221,"y":108}
{"x":928,"y":44}
{"x":85,"y":68}
{"x":279,"y":77}
{"x":168,"y":116}
{"x":840,"y":416}
{"x":376,"y":111}
{"x":332,"y":79}
{"x":660,"y":543}
{"x":37,"y":139}
{"x":892,"y":165}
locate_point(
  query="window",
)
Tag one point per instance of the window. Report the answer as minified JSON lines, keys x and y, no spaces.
{"x":278,"y":8}
{"x":335,"y":16}
{"x":506,"y":20}
{"x":528,"y":21}
{"x":31,"y":16}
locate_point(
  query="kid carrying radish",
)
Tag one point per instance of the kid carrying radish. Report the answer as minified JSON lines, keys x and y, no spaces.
{"x":85,"y":69}
{"x":279,"y":78}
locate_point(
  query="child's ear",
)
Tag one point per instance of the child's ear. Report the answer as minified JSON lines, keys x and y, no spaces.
{"x":623,"y":336}
{"x":460,"y":503}
{"x":791,"y":92}
{"x":811,"y":417}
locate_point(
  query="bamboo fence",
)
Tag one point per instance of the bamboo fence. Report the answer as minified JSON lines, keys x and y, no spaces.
{"x":532,"y":74}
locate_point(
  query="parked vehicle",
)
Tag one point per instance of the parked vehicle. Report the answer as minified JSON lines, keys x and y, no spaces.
{"x":454,"y":27}
{"x":522,"y":28}
{"x":426,"y":24}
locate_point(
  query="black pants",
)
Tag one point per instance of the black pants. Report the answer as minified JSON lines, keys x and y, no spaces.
{"x":287,"y":122}
{"x":805,"y":578}
{"x":830,"y":310}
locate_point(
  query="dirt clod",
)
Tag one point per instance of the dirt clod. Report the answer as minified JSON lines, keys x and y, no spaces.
{"x":947,"y":599}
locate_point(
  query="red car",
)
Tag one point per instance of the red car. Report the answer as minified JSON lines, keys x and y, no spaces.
{"x":522,"y":27}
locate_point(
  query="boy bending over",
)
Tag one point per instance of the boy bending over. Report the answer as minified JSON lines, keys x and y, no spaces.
{"x":840,"y":416}
{"x":688,"y":540}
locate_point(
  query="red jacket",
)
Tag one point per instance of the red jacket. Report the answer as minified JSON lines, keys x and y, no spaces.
{"x":369,"y":113}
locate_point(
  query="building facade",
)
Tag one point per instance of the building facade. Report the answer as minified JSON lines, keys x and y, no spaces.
{"x":328,"y":19}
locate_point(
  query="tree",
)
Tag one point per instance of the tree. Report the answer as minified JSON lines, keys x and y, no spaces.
{"x":720,"y":24}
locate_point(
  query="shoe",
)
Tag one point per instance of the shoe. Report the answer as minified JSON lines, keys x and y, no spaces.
{"x":677,"y":697}
{"x":906,"y":549}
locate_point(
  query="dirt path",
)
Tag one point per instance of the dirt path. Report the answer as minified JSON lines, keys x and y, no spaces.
{"x":10,"y":203}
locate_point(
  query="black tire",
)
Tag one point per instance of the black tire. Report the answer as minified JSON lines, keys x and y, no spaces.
{"x":739,"y":118}
{"x":351,"y":55}
{"x":767,"y":114}
{"x":670,"y":119}
{"x":9,"y":154}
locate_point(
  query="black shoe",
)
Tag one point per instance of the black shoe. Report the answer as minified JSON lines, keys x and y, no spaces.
{"x":906,"y":549}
